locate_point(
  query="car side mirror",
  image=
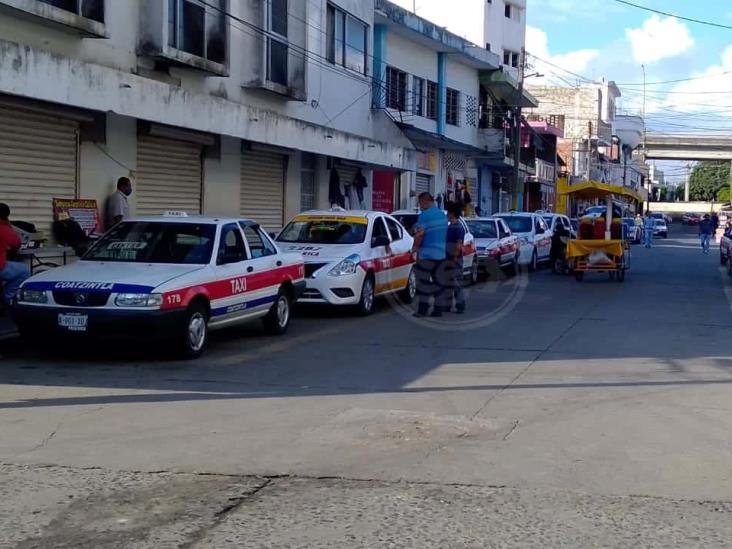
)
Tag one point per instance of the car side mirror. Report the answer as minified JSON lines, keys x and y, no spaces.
{"x":272,"y":235}
{"x":379,"y":241}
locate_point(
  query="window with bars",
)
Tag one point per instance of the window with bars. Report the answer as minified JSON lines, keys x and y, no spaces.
{"x":198,"y":29}
{"x":418,"y":96}
{"x":432,"y":100}
{"x":453,"y":107}
{"x":396,"y":89}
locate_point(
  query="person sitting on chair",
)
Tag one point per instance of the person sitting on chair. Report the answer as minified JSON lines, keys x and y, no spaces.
{"x":12,"y":273}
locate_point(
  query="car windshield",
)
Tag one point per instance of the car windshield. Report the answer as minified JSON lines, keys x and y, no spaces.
{"x":660,"y":222}
{"x":325,"y":231}
{"x":156,"y":242}
{"x":482,"y":229}
{"x":407,"y":220}
{"x":548,"y":220}
{"x":518,"y":223}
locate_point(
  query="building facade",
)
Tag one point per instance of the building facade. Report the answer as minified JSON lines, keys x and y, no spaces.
{"x":222,"y":107}
{"x":505,"y":31}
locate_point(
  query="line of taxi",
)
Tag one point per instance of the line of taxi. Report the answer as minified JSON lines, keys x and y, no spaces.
{"x":175,"y":278}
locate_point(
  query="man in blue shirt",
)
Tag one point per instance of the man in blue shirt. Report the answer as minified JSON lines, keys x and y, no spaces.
{"x":430,"y":240}
{"x":706,"y":230}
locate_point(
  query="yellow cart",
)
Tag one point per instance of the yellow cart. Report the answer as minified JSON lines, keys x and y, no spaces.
{"x":598,"y":256}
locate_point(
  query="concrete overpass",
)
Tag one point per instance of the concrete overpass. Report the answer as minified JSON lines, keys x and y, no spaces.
{"x":667,"y":146}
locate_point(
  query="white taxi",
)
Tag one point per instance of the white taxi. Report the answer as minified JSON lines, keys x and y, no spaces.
{"x":496,"y":247}
{"x":535,"y":237}
{"x":408,"y":218}
{"x":168,"y":277}
{"x":351,"y":257}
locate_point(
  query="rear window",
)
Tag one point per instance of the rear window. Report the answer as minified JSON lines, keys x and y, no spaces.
{"x":408,"y":221}
{"x":482,"y":229}
{"x":518,"y":223}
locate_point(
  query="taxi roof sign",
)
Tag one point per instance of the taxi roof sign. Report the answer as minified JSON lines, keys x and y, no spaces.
{"x":175,"y":214}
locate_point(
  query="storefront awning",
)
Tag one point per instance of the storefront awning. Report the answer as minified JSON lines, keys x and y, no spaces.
{"x":590,"y":190}
{"x":425,"y":141}
{"x":505,"y":87}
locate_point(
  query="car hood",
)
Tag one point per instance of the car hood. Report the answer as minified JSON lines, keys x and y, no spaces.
{"x":113,"y":276}
{"x":320,"y":253}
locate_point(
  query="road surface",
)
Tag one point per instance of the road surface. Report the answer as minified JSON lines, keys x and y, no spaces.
{"x":555,"y":413}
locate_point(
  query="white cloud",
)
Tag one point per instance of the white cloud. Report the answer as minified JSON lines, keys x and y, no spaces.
{"x":462,"y":17}
{"x":557,"y":66}
{"x":659,"y":38}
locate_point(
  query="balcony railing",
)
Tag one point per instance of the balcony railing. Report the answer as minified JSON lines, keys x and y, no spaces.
{"x":556,"y":120}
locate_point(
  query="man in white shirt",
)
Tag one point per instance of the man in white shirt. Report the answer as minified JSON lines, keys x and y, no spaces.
{"x":117,"y":205}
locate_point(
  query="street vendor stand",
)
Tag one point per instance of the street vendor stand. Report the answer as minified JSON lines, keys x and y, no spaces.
{"x":603,"y":253}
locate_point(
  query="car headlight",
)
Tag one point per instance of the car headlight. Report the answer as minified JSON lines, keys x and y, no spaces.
{"x":346,"y":267}
{"x":32,"y":296}
{"x":139,"y":300}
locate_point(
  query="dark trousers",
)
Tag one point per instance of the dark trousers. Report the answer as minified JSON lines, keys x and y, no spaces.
{"x":454,"y":293}
{"x":429,"y":275}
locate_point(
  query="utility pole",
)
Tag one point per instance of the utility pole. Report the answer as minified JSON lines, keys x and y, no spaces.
{"x":517,"y":134}
{"x":687,"y":182}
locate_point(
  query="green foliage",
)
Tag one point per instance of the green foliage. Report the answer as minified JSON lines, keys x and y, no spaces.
{"x":680,"y":193}
{"x":708,"y":179}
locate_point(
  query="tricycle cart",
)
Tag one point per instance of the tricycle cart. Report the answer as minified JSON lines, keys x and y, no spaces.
{"x":599,"y":256}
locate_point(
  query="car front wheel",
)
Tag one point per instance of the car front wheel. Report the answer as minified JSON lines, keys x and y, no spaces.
{"x":534,"y":265}
{"x":195,"y":335}
{"x":408,"y":294}
{"x":366,"y":303}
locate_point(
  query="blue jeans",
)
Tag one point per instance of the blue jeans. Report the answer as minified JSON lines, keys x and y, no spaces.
{"x":705,"y":238}
{"x":13,"y":276}
{"x":647,"y":237}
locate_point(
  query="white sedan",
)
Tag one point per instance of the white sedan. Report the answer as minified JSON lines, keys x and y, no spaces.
{"x":471,"y":266}
{"x":496,"y":247}
{"x":534,"y":237}
{"x":351,"y":257}
{"x":170,"y":278}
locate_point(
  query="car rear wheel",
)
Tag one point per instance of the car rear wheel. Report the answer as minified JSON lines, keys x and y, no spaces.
{"x":366,"y":302}
{"x":278,"y":318}
{"x":408,"y":294}
{"x":193,"y":340}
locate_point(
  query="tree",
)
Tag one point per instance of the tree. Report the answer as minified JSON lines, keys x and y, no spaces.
{"x":663,"y":194}
{"x":680,"y":193}
{"x":708,"y":178}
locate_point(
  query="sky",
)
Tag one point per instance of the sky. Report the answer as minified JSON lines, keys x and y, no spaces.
{"x":569,"y":41}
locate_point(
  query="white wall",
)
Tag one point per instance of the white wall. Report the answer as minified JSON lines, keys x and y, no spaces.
{"x":503,"y":33}
{"x":465,"y":80}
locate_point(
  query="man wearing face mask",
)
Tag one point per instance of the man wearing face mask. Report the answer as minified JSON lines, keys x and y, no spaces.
{"x":118,"y":208}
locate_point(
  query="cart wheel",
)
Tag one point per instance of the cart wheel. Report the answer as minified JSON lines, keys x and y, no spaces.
{"x":579,"y":276}
{"x":621,"y":275}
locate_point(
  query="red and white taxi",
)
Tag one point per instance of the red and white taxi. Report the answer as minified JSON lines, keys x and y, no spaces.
{"x":496,"y":247}
{"x":535,"y":237}
{"x":351,"y":257}
{"x":408,"y":218}
{"x":172,"y":277}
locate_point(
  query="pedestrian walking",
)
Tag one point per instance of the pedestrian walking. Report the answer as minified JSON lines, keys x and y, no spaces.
{"x":648,"y":224}
{"x":118,"y":207}
{"x":430,"y":242}
{"x":706,"y":230}
{"x":454,"y":261}
{"x":12,"y":273}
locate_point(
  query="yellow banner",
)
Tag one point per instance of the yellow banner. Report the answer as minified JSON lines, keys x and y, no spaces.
{"x":337,"y":218}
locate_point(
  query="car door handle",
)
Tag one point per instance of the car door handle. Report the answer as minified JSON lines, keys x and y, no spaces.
{"x":250,"y":269}
{"x":279,"y":263}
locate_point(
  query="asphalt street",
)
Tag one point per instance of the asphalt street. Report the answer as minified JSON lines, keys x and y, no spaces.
{"x":553,"y":414}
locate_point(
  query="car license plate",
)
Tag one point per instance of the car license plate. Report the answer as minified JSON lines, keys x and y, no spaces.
{"x":73,"y":322}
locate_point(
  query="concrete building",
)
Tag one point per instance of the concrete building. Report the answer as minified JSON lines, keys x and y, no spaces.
{"x":249,"y":111}
{"x":430,"y":87}
{"x":505,"y":31}
{"x":539,"y":138}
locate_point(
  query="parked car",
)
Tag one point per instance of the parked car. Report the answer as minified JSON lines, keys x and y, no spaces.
{"x":552,"y":219}
{"x":662,"y":216}
{"x":351,"y":257}
{"x":534,"y":236}
{"x":691,"y":219}
{"x":725,"y":250}
{"x":408,"y":218}
{"x":166,"y":278}
{"x":575,"y":225}
{"x":632,"y":232}
{"x":497,"y":248}
{"x":660,"y":228}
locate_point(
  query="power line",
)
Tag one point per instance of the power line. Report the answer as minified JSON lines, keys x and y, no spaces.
{"x":667,"y":14}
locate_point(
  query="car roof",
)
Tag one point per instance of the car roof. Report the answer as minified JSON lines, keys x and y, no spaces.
{"x":369,"y":214}
{"x":189,"y":219}
{"x":515,"y":214}
{"x":405,"y":212}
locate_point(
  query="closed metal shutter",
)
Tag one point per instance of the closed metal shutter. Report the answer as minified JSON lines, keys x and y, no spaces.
{"x":263,"y":188}
{"x":168,"y":176}
{"x":422,"y":184}
{"x":38,"y":162}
